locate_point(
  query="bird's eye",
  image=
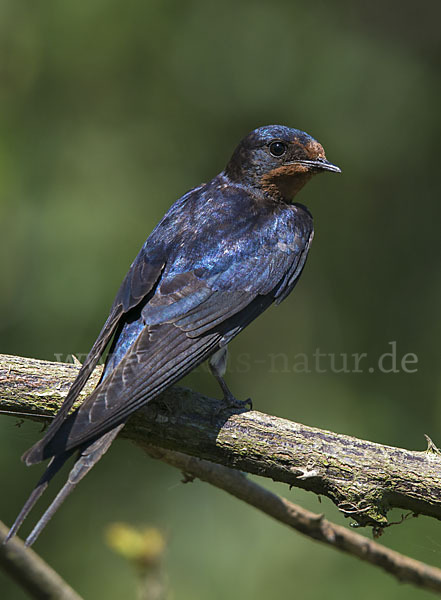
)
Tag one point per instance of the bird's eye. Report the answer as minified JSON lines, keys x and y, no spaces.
{"x":277,"y":149}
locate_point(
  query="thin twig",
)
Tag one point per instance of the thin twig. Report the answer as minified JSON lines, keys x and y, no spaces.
{"x":31,"y":572}
{"x":308,"y":523}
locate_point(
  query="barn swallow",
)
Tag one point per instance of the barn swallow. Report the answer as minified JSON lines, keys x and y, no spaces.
{"x":222,"y":254}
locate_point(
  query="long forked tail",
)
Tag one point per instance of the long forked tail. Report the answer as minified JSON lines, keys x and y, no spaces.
{"x":53,"y":467}
{"x":89,"y":455}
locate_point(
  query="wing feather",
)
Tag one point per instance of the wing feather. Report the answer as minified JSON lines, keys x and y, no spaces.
{"x":139,"y":281}
{"x":140,"y":376}
{"x":171,"y":320}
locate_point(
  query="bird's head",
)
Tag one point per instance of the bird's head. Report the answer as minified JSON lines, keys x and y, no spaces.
{"x":278,"y":161}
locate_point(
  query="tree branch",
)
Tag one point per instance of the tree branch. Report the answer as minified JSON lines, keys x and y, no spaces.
{"x":31,"y":572}
{"x":310,"y":524}
{"x":362,"y":478}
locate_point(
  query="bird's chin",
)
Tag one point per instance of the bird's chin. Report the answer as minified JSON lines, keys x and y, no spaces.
{"x":285,"y":182}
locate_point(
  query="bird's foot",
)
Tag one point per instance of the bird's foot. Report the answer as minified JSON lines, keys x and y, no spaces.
{"x":231,"y":402}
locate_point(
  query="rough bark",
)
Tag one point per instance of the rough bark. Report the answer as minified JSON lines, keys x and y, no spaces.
{"x":362,"y":478}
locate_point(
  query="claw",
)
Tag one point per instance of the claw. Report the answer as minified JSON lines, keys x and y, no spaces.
{"x":231,"y":402}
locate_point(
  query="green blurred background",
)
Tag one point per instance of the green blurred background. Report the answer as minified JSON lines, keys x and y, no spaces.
{"x":109,"y":111}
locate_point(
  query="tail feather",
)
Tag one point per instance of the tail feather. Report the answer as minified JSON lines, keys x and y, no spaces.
{"x":88,"y":457}
{"x":53,"y":467}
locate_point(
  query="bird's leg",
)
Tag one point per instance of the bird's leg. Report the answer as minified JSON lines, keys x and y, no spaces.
{"x":218,"y":365}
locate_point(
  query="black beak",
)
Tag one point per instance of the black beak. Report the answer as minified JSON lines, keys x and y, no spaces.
{"x":324,"y":164}
{"x":321,"y":164}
